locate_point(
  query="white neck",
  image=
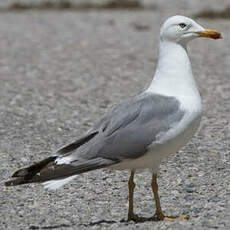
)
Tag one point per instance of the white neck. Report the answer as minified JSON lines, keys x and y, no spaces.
{"x":173,"y":75}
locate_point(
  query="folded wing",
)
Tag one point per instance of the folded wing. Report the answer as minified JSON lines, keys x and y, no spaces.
{"x":124,"y":132}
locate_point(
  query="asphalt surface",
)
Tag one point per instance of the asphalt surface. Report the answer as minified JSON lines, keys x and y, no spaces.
{"x":59,"y":72}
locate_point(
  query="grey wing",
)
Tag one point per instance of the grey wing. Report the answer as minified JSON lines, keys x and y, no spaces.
{"x":128,"y":129}
{"x":125,"y":132}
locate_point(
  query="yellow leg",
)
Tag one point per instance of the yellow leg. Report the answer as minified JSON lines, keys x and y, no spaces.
{"x":159,"y":214}
{"x":131,"y":215}
{"x":131,"y":185}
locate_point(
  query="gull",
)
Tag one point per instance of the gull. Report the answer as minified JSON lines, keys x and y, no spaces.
{"x":141,"y":131}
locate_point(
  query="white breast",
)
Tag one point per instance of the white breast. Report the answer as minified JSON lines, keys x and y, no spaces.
{"x":173,"y":78}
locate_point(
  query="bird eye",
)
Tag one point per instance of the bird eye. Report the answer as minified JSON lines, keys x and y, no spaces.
{"x":182,"y":25}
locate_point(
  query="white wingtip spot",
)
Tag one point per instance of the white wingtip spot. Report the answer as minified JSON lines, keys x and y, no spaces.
{"x":63,"y":160}
{"x":56,"y":184}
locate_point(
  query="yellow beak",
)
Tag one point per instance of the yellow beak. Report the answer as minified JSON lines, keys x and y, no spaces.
{"x":214,"y":34}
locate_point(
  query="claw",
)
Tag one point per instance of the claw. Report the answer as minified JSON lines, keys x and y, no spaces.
{"x":137,"y":218}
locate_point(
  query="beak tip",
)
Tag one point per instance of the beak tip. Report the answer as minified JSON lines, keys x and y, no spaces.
{"x":217,"y":35}
{"x":220,"y":36}
{"x":214,"y":34}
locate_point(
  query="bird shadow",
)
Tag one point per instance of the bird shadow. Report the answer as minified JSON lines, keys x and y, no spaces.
{"x":34,"y":227}
{"x":143,"y":219}
{"x":103,"y":221}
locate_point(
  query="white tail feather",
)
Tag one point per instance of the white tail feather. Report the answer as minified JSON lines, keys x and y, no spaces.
{"x":55,"y":184}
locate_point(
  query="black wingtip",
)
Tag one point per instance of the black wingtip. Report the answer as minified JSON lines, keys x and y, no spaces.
{"x":14,"y":182}
{"x":25,"y":175}
{"x":20,"y":173}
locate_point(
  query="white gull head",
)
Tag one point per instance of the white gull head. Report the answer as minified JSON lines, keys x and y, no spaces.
{"x":173,"y":76}
{"x":180,"y":29}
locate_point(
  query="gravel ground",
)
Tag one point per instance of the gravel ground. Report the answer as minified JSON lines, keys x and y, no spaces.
{"x":59,"y":72}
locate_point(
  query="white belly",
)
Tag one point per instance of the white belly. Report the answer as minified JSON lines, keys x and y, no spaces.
{"x":168,"y":143}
